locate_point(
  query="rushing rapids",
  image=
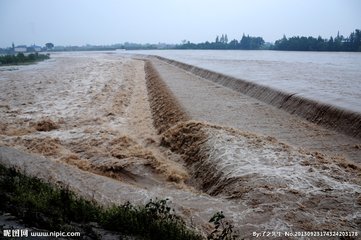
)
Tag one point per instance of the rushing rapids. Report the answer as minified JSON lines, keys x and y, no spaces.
{"x":115,"y":129}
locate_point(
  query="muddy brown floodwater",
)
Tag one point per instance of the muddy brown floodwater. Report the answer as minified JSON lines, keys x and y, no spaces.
{"x":115,"y":128}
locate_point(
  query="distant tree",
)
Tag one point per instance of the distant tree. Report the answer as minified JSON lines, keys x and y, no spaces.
{"x":49,"y":46}
{"x":244,"y":43}
{"x":233,"y":44}
{"x":21,"y":57}
{"x":225,"y":39}
{"x":222,"y":39}
{"x":330,"y":44}
{"x":357,"y":40}
{"x":354,"y":41}
{"x":338,"y":42}
{"x":251,"y":43}
{"x":339,"y":37}
{"x":321,"y":44}
{"x":217,"y":39}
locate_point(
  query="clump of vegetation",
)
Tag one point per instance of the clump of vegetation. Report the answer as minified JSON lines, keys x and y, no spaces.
{"x":41,"y":204}
{"x":155,"y":220}
{"x":44,"y":206}
{"x":21,"y":58}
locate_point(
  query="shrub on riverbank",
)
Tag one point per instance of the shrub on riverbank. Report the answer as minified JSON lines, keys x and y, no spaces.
{"x":44,"y":206}
{"x":21,"y":58}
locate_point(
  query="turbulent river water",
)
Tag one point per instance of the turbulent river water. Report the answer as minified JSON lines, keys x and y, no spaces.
{"x":114,"y":128}
{"x":329,"y":77}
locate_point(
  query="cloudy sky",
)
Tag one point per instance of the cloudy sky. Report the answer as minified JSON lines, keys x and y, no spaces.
{"x":80,"y":22}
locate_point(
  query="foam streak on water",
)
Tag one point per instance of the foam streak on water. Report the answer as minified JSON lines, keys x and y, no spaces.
{"x":333,"y":78}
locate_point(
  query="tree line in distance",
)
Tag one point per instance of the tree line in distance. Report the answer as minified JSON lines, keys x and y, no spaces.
{"x":352,"y":43}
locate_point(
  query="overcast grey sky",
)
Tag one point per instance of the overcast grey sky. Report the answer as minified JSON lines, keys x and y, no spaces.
{"x":80,"y":22}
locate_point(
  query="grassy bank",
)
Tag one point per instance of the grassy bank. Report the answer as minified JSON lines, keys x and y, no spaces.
{"x":44,"y":206}
{"x":21,"y":58}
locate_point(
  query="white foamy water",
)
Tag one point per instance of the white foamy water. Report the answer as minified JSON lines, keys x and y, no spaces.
{"x":329,"y":77}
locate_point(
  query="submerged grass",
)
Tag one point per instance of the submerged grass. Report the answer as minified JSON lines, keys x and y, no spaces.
{"x":44,"y":206}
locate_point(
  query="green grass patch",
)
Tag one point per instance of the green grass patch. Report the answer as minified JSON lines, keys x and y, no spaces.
{"x":155,"y":220}
{"x":45,"y":206}
{"x":21,"y":58}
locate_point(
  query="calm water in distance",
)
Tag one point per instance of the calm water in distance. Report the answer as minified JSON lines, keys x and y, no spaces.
{"x":330,"y":77}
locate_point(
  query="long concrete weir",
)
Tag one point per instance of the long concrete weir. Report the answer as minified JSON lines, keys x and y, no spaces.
{"x":224,"y":100}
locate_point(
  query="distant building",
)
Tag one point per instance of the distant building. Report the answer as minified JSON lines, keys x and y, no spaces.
{"x":20,"y":49}
{"x":34,"y":48}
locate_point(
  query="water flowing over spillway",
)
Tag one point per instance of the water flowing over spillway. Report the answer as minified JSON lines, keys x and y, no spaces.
{"x":115,"y":128}
{"x":328,"y":115}
{"x":333,"y":78}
